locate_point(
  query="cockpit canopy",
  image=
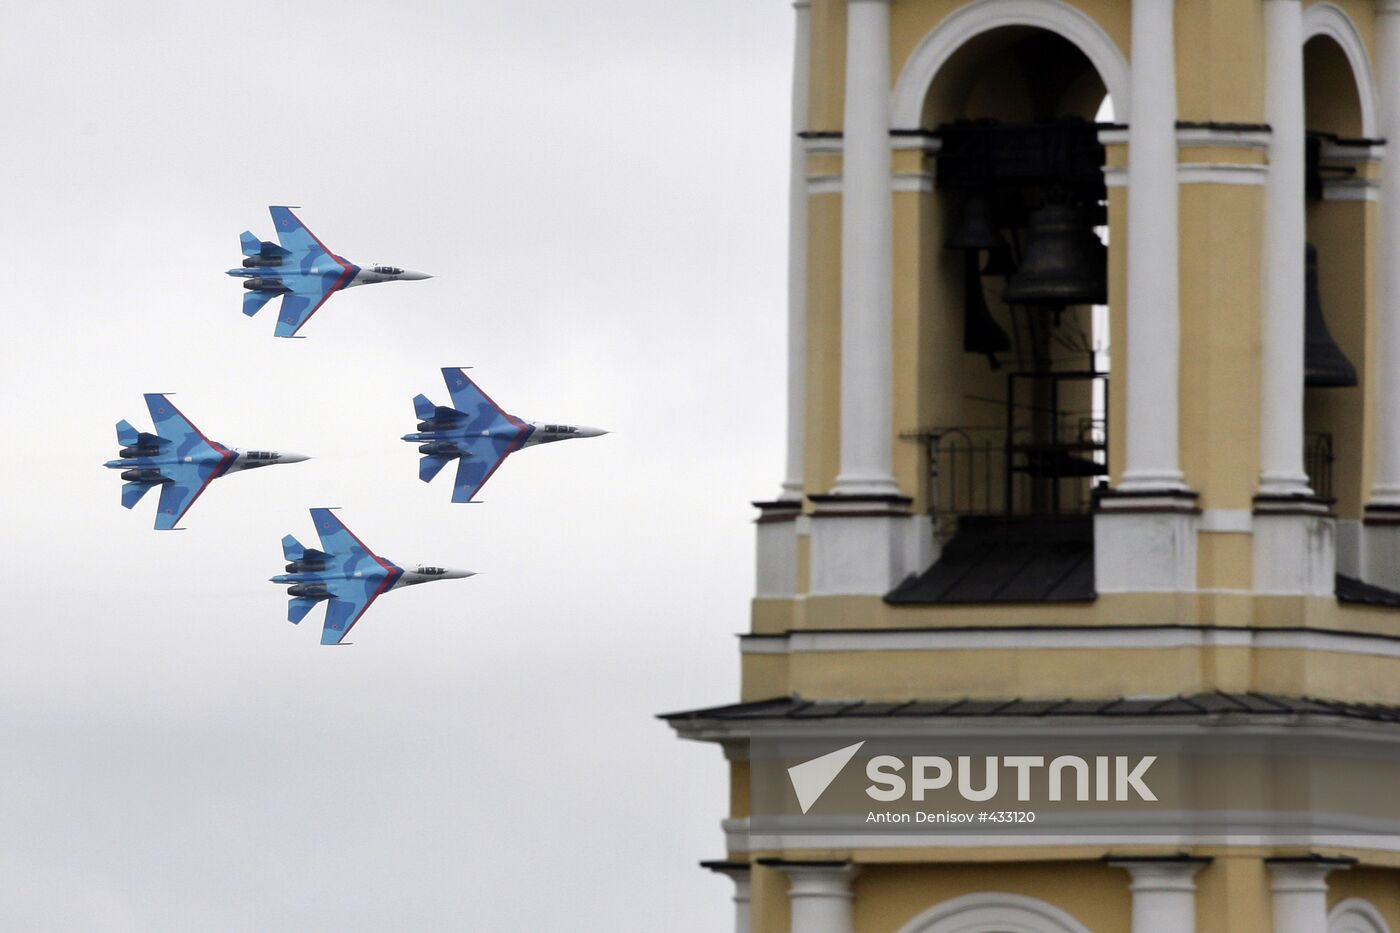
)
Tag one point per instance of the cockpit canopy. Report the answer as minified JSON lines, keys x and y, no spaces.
{"x":260,"y":455}
{"x":388,"y":270}
{"x":431,"y":571}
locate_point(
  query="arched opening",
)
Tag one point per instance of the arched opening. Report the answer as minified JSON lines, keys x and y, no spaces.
{"x":994,"y":912}
{"x":1012,"y":383}
{"x":1355,"y":915}
{"x":1338,"y":272}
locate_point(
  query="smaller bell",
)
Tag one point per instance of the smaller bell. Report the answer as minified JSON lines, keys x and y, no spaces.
{"x":1325,"y":366}
{"x":981,"y":332}
{"x":977,"y":225}
{"x":1063,"y":263}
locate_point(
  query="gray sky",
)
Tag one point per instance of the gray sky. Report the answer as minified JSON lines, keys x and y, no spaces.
{"x":600,"y":188}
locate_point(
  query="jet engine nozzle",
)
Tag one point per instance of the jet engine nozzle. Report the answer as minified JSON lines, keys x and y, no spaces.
{"x":308,"y":591}
{"x":142,"y":476}
{"x":306,"y":566}
{"x":256,"y":284}
{"x":439,"y":449}
{"x":131,"y":453}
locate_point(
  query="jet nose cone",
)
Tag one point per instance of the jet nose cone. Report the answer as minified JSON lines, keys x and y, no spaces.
{"x":292,"y":458}
{"x":459,"y":574}
{"x":584,"y":431}
{"x":409,"y":275}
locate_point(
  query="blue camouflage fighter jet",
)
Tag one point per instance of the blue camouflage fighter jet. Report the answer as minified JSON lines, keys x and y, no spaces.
{"x":302,"y":271}
{"x":344,"y":574}
{"x":179,"y":459}
{"x":477,"y":434}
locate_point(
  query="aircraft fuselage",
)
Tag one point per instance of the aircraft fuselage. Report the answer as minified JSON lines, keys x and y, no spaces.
{"x":145,"y":466}
{"x":311,"y":583}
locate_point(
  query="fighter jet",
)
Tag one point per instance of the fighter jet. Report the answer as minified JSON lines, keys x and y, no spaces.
{"x":179,"y":459}
{"x":302,"y":271}
{"x":477,"y":434}
{"x":345,"y":574}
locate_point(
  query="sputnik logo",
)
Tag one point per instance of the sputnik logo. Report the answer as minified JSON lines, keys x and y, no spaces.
{"x":811,"y":778}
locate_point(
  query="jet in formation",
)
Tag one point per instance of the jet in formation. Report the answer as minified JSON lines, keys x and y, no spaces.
{"x":302,"y":271}
{"x":179,"y":459}
{"x":344,"y":574}
{"x":477,"y":434}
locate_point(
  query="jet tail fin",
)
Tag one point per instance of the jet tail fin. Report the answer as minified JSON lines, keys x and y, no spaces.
{"x":292,"y":548}
{"x":423,"y":408}
{"x":253,"y":301}
{"x":127,"y":435}
{"x":430,"y":467}
{"x":298,"y":607}
{"x":132,"y":493}
{"x":252,"y":246}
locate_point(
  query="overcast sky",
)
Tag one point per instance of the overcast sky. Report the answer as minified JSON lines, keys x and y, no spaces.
{"x":600,"y":189}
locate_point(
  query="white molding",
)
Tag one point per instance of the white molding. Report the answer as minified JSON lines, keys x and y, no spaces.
{"x":994,"y":912}
{"x":1355,"y":915}
{"x":1221,"y":173}
{"x":1142,"y":639}
{"x":1221,"y":137}
{"x":918,"y":182}
{"x":823,"y":184}
{"x":1200,"y":173}
{"x":1353,"y":153}
{"x":813,"y":145}
{"x":922,"y":142}
{"x":740,"y":840}
{"x":1113,"y":136}
{"x":1227,"y":520}
{"x":1351,"y":189}
{"x":979,"y":16}
{"x":1328,"y":19}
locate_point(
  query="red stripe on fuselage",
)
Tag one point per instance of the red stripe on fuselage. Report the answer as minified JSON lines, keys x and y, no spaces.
{"x":520,"y":425}
{"x":225,"y":458}
{"x":389,"y":567}
{"x":339,"y":283}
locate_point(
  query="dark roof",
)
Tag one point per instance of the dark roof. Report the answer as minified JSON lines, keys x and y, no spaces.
{"x":1199,"y":704}
{"x":1009,"y":560}
{"x":1352,"y":590}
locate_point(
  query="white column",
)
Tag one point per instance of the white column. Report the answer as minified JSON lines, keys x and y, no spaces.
{"x":1299,"y":893}
{"x":1285,"y":234}
{"x":867,"y":264}
{"x":820,"y":896}
{"x":1385,"y":490}
{"x":1164,"y":894}
{"x":797,"y":256}
{"x":1151,"y":461}
{"x":739,"y":873}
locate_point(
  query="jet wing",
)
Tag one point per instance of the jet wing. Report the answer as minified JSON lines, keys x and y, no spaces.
{"x":305,"y":298}
{"x":185,"y":482}
{"x":482,"y":413}
{"x":481,"y":457}
{"x":294,"y":236}
{"x":349,"y":600}
{"x":173,"y":426}
{"x":341,"y":543}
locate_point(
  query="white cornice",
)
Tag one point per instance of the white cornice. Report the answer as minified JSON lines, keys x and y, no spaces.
{"x":1072,"y":639}
{"x":1224,"y":137}
{"x":1350,"y":189}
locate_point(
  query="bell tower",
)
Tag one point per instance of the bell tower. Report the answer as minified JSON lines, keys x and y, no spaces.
{"x":1093,"y":437}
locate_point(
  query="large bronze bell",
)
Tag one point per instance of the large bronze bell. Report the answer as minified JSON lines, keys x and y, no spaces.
{"x":981,"y":332}
{"x":1063,"y":264}
{"x":1324,"y":363}
{"x":977,"y":225}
